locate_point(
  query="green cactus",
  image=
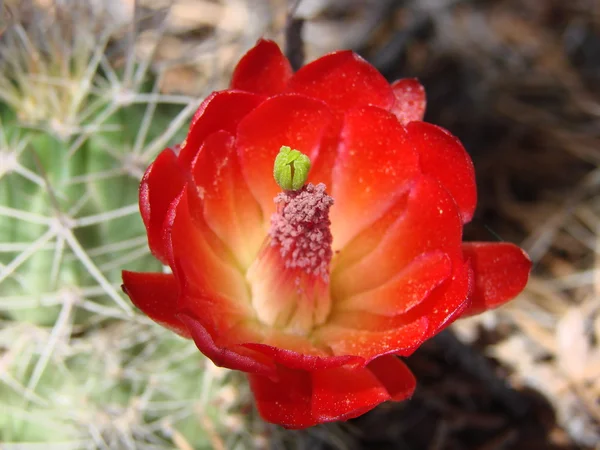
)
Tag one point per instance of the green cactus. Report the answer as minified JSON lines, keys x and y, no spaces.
{"x":79,"y":367}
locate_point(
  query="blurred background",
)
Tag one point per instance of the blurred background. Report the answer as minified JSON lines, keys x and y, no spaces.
{"x":92,"y":90}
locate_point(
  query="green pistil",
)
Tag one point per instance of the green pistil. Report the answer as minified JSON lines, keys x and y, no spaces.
{"x":291,"y":169}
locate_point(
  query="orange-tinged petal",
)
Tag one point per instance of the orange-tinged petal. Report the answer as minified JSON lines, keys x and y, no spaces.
{"x":441,"y":307}
{"x":160,"y":186}
{"x":394,"y":375}
{"x":156,"y":294}
{"x":221,"y":110}
{"x":501,"y":273}
{"x":368,"y":239}
{"x":293,"y":120}
{"x":367,"y":321}
{"x":410,"y":100}
{"x":447,"y":302}
{"x":429,"y":222}
{"x":443,"y":157}
{"x":235,"y":357}
{"x":404,"y":291}
{"x":343,"y":393}
{"x":197,"y":257}
{"x":344,"y":81}
{"x":228,"y":207}
{"x":263,"y":70}
{"x":371,"y":344}
{"x":212,"y":291}
{"x":276,"y":339}
{"x":375,"y":164}
{"x":311,"y":359}
{"x":229,"y":322}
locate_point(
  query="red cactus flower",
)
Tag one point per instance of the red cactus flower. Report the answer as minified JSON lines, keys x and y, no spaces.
{"x":315,"y":293}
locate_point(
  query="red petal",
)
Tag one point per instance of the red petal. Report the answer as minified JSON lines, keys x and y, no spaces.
{"x":161,"y":184}
{"x":370,"y":238}
{"x":263,"y":70}
{"x":410,"y":100}
{"x":300,"y":399}
{"x":427,"y":222}
{"x":226,"y":321}
{"x":320,"y":171}
{"x":394,"y":375}
{"x":343,"y":393}
{"x":443,"y":157}
{"x":212,"y":291}
{"x":293,"y":120}
{"x":501,"y":272}
{"x":375,"y":163}
{"x":312,"y":359}
{"x":447,"y":302}
{"x":286,"y":400}
{"x":406,"y":290}
{"x":371,"y":344}
{"x":156,"y":294}
{"x":343,"y":80}
{"x":198,"y":259}
{"x":441,"y":307}
{"x":237,"y":358}
{"x":228,"y":207}
{"x":221,"y":110}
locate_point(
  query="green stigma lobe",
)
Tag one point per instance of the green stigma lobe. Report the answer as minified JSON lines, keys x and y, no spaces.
{"x":291,"y":169}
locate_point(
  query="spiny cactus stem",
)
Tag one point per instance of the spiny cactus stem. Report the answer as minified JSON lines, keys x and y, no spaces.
{"x":95,"y":272}
{"x":61,"y":329}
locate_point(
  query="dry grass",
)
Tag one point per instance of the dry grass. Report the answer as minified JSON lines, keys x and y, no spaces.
{"x":517,"y":81}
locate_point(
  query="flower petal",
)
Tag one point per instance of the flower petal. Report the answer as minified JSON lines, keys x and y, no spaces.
{"x":501,"y":272}
{"x":320,"y":171}
{"x":440,"y":308}
{"x":237,"y":358}
{"x":410,"y":100}
{"x":406,"y":290}
{"x":343,"y":393}
{"x":369,"y":344}
{"x":198,"y":258}
{"x":446,"y":303}
{"x":161,"y":184}
{"x":300,"y":399}
{"x":309,"y":359}
{"x":284,"y":399}
{"x":394,"y":375}
{"x":370,"y":238}
{"x":221,"y":110}
{"x":443,"y":157}
{"x":213,"y":294}
{"x":229,"y":208}
{"x":156,"y":294}
{"x":427,"y":221}
{"x":263,"y":70}
{"x":293,"y":120}
{"x":374,"y":166}
{"x":343,"y":80}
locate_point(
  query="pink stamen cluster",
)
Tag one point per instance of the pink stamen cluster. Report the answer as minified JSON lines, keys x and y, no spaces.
{"x":300,"y":228}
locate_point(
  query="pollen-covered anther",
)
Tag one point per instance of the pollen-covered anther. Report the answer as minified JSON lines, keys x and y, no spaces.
{"x":290,"y":277}
{"x":300,"y":228}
